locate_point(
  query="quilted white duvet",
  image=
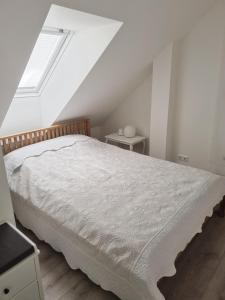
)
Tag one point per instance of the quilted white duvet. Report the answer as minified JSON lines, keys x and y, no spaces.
{"x":132,"y":213}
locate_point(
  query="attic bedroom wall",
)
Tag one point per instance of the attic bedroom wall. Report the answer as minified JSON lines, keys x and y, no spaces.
{"x":218,"y":144}
{"x":133,"y":110}
{"x":23,"y":114}
{"x":157,"y":24}
{"x":200,"y":56}
{"x":199,"y":59}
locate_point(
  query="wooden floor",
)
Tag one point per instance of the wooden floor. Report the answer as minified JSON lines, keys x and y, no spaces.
{"x":200,"y":271}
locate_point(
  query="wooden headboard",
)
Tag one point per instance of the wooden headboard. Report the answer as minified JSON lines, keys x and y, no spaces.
{"x":13,"y":142}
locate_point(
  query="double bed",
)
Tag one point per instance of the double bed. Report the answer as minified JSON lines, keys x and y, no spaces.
{"x":120,"y":217}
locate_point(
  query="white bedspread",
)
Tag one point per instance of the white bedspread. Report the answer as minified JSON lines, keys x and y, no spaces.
{"x":131,"y":212}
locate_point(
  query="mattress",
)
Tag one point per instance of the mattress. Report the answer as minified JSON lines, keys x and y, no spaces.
{"x":119,"y":216}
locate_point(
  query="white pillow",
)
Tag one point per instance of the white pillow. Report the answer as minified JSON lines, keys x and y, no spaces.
{"x":15,"y":159}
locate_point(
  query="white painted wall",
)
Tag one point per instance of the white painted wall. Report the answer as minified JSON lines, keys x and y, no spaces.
{"x":6,"y":210}
{"x":20,"y":24}
{"x":161,"y":102}
{"x":218,"y":142}
{"x":197,"y":80}
{"x":133,"y":110}
{"x":148,"y":27}
{"x":24,"y":114}
{"x":96,"y":132}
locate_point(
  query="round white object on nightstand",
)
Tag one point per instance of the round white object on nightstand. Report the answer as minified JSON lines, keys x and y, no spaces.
{"x":129,"y":131}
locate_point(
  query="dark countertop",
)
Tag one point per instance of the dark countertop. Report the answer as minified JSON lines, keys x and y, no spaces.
{"x":13,"y":247}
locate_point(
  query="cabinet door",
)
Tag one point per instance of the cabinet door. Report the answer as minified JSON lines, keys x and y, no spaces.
{"x":29,"y":293}
{"x":17,"y":278}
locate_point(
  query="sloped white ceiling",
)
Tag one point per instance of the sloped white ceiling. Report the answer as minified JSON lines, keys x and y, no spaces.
{"x":148,"y":26}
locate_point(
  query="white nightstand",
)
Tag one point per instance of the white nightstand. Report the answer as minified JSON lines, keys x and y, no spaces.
{"x":114,"y":137}
{"x":19,"y":266}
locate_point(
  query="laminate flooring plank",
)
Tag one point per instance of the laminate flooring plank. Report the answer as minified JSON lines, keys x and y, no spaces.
{"x":197,"y":264}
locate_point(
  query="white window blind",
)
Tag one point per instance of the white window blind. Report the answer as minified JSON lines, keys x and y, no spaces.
{"x":44,"y":54}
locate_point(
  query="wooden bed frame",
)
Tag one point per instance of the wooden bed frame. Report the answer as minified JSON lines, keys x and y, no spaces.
{"x":19,"y":140}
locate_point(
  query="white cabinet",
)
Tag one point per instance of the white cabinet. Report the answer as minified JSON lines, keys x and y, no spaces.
{"x":19,"y":266}
{"x":29,"y":293}
{"x":17,"y":278}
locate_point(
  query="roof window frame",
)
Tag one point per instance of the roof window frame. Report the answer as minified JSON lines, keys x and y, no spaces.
{"x":36,"y":91}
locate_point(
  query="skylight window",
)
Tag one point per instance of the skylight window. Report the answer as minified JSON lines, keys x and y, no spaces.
{"x":42,"y":59}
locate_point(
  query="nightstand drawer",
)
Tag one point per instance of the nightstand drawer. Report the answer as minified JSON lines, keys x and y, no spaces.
{"x":29,"y":293}
{"x":17,"y":278}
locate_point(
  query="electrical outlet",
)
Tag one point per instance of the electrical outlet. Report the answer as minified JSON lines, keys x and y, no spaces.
{"x":183,"y":158}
